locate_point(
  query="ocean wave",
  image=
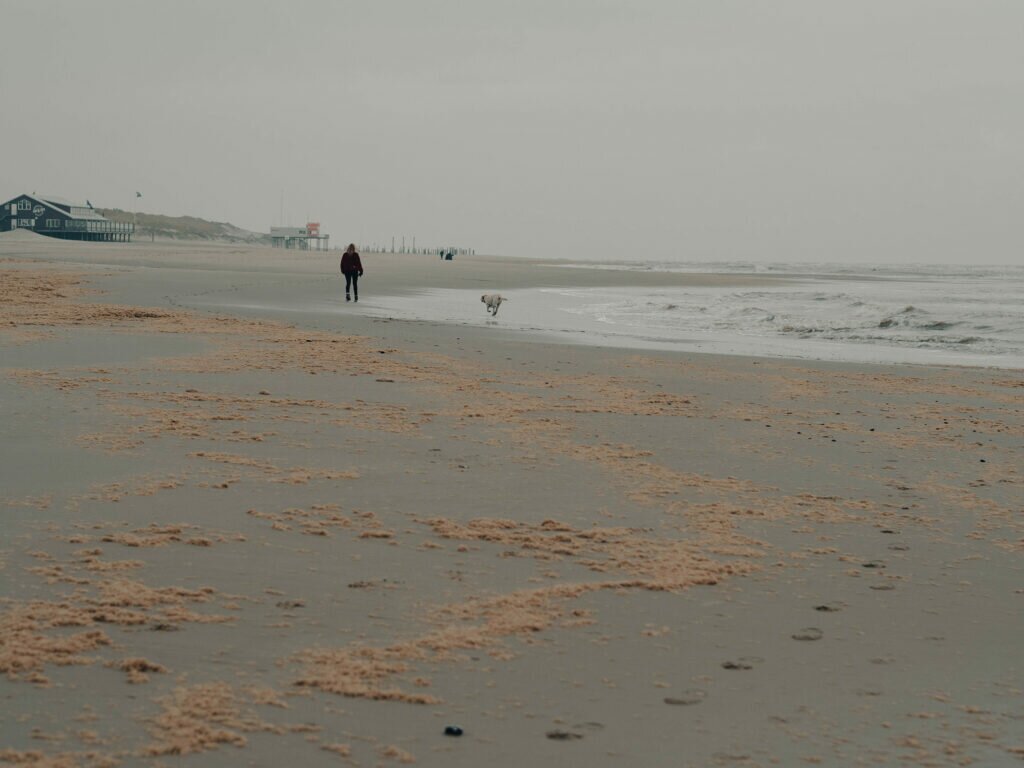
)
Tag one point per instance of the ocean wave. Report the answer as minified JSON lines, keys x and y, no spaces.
{"x":930,"y":311}
{"x":912,"y":317}
{"x":801,"y":330}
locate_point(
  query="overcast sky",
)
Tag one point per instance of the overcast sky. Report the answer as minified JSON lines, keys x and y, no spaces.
{"x":865,"y":130}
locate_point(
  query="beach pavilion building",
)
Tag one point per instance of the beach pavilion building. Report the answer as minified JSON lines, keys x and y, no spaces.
{"x":304,"y":238}
{"x":56,"y":217}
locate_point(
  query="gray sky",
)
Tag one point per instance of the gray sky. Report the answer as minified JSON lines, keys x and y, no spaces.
{"x":872,"y":131}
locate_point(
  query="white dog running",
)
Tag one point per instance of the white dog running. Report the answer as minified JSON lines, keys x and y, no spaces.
{"x":493,"y":301}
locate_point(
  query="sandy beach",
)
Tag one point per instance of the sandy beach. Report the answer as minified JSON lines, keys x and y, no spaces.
{"x":241,"y":534}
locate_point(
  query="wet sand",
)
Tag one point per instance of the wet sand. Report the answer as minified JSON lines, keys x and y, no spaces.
{"x":234,"y":536}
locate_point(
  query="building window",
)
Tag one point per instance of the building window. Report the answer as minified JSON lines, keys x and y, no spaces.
{"x":53,"y":223}
{"x":24,"y":205}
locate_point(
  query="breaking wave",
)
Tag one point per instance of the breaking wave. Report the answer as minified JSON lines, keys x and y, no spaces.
{"x":960,"y":311}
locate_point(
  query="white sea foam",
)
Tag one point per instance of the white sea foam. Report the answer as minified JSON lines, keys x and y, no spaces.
{"x":888,"y":314}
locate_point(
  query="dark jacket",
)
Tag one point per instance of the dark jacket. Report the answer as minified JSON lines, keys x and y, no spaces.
{"x":350,"y":263}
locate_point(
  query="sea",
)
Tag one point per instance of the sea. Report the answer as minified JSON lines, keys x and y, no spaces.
{"x":922,"y":314}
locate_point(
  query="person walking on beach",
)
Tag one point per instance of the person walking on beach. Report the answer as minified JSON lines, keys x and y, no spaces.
{"x":352,"y":269}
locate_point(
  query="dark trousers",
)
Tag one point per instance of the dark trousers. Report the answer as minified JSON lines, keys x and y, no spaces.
{"x":352,"y":282}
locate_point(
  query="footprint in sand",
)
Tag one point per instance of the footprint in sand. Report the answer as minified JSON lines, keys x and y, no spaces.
{"x":808,"y":633}
{"x":883,"y":587}
{"x":868,"y":692}
{"x":687,"y":698}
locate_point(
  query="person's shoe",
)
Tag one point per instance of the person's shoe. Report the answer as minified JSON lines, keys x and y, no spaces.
{"x":357,"y":298}
{"x":347,"y":297}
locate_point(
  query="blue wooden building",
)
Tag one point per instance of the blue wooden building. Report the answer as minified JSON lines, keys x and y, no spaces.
{"x":55,"y":217}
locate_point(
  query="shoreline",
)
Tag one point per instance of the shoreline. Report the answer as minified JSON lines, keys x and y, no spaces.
{"x":420,"y":289}
{"x":404,"y":287}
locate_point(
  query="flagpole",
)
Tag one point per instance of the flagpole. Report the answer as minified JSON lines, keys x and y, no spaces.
{"x":135,"y":211}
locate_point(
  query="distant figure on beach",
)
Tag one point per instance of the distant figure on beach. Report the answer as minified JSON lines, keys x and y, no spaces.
{"x":352,"y":269}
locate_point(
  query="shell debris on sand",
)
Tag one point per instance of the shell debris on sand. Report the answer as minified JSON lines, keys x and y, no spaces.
{"x":703,"y":524}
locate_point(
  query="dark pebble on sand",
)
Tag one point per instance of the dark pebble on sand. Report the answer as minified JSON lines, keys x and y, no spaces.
{"x":808,"y":633}
{"x":563,"y":735}
{"x":827,"y":608}
{"x":736,"y":665}
{"x":687,"y":698}
{"x":452,"y":730}
{"x":873,"y":564}
{"x":883,"y":587}
{"x":888,"y":530}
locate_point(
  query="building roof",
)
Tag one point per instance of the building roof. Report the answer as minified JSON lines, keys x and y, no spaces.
{"x":40,"y":200}
{"x":79,"y":211}
{"x":57,"y":200}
